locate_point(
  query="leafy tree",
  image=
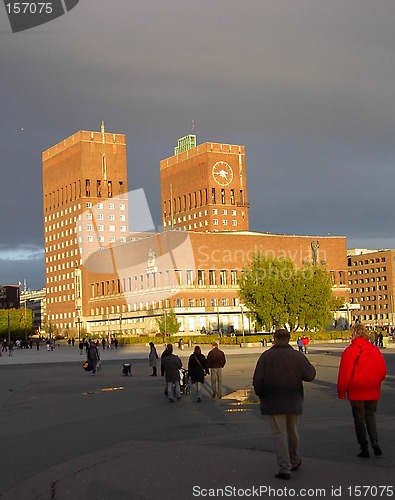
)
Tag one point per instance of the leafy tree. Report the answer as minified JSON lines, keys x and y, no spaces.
{"x":168,"y":323}
{"x":280,"y":295}
{"x":20,"y":323}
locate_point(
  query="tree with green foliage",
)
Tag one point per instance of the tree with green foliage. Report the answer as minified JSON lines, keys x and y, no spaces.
{"x":168,"y":323}
{"x":280,"y":295}
{"x":19,"y":322}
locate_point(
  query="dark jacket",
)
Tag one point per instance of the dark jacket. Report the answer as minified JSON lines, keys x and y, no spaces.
{"x":278,"y":379}
{"x":170,"y":365}
{"x":197,"y":367}
{"x":362,"y":369}
{"x":92,"y":353}
{"x":216,"y":358}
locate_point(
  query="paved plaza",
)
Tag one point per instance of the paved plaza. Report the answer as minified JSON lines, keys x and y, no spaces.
{"x":67,"y":435}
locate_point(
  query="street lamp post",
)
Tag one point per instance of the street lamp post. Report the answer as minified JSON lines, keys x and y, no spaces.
{"x":242,"y":321}
{"x":8,"y":328}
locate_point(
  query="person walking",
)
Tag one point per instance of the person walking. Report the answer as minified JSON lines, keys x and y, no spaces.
{"x":153,"y":359}
{"x":299,"y":343}
{"x":216,"y":360}
{"x":93,"y":356}
{"x":171,"y":364}
{"x":278,"y":382}
{"x":197,"y":370}
{"x":305,"y":342}
{"x":361,"y":372}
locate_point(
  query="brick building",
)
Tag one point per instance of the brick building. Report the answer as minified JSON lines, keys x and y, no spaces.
{"x":205,"y":188}
{"x":192,"y":266}
{"x":81,"y":176}
{"x":371,"y":279}
{"x":196,"y":275}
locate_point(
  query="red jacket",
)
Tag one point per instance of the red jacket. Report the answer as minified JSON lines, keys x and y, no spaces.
{"x":362,"y":369}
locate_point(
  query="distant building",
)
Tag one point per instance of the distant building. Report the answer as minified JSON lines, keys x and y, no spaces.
{"x":36,"y":301}
{"x":9,"y":296}
{"x":371,"y":279}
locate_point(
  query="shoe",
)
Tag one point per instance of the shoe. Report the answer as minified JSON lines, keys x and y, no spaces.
{"x":179,"y":398}
{"x":377,"y":450}
{"x":283,"y":475}
{"x":296,"y":467}
{"x":363,"y":454}
{"x":199,"y":400}
{"x":171,"y":400}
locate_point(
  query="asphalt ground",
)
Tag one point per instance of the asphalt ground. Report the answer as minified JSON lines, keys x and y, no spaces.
{"x":68,"y":435}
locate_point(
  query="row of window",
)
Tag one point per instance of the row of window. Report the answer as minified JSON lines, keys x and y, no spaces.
{"x":189,"y":277}
{"x":201,"y":198}
{"x":205,"y":223}
{"x":368,"y":280}
{"x":367,"y":271}
{"x":73,"y":191}
{"x":366,"y":261}
{"x":367,"y":289}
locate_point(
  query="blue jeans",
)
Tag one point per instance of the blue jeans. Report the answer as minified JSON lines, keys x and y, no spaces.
{"x":170,"y":389}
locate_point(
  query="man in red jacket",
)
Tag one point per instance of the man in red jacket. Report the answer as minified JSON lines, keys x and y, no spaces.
{"x":362,"y":369}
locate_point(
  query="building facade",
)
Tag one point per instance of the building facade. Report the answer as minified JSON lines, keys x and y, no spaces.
{"x":102,"y":278}
{"x":35,"y":300}
{"x":81,"y":176}
{"x":9,"y":296}
{"x":196,"y":275}
{"x":371,"y":279}
{"x":204,"y":188}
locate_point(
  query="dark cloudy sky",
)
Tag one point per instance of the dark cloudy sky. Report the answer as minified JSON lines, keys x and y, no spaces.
{"x":308,"y":86}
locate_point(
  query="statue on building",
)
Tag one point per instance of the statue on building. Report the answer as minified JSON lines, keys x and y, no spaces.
{"x":315,"y":245}
{"x":151,"y":258}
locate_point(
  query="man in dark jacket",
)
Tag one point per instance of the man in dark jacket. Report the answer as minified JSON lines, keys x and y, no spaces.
{"x":278,"y":381}
{"x":171,"y":364}
{"x":216,"y":361}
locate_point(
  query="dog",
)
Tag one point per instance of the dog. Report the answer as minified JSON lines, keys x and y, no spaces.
{"x":127,"y":369}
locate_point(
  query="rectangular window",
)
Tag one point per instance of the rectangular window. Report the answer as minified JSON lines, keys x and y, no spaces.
{"x":233,"y":277}
{"x":213,"y":195}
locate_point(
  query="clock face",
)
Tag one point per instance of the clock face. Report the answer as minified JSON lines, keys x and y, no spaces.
{"x":222,"y":173}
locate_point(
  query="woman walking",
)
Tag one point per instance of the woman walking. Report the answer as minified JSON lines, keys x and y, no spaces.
{"x":197,"y":370}
{"x":153,"y":359}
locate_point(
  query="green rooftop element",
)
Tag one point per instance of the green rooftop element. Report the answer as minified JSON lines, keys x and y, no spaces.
{"x":185,"y":143}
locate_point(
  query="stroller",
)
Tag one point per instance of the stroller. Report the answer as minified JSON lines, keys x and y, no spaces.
{"x":127,"y":369}
{"x":185,"y":382}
